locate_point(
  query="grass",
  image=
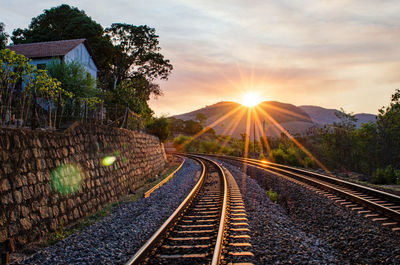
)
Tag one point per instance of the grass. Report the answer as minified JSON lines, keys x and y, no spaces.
{"x":272,"y":195}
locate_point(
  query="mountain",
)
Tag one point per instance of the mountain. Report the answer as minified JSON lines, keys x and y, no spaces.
{"x":327,"y":116}
{"x":231,"y":118}
{"x":234,"y":119}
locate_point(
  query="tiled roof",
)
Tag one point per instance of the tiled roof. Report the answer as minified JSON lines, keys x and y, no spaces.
{"x":46,"y":49}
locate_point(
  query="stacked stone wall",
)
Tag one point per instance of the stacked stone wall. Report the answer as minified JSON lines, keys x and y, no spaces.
{"x":39,"y":191}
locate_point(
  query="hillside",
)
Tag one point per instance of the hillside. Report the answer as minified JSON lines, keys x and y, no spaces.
{"x":327,"y":116}
{"x":289,"y":116}
{"x":295,"y":119}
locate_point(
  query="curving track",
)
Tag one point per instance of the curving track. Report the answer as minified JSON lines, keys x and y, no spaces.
{"x":208,"y":226}
{"x":380,"y":206}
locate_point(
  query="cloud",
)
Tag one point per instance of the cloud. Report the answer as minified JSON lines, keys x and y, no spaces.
{"x":336,"y":53}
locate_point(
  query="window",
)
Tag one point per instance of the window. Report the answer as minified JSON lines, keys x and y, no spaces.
{"x":41,"y":66}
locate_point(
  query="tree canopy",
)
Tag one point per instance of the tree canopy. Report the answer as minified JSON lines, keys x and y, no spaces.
{"x":136,"y":55}
{"x":129,"y":56}
{"x":63,"y":23}
{"x":3,"y":36}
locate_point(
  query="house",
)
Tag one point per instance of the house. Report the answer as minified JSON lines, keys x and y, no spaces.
{"x":41,"y":53}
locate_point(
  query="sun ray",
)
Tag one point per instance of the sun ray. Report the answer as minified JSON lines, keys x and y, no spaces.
{"x":263,"y":134}
{"x":232,"y":128}
{"x":296,"y":142}
{"x":283,"y":110}
{"x":212,"y":125}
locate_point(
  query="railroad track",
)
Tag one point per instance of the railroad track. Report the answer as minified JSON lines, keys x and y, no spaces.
{"x":209,"y":227}
{"x":381,"y":206}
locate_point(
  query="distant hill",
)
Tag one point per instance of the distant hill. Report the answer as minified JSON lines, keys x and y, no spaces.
{"x":296,"y":120}
{"x":327,"y":116}
{"x":289,"y":116}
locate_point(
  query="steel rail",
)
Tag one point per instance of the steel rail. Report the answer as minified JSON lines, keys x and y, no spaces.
{"x":222,"y":224}
{"x":326,"y":183}
{"x":149,"y":246}
{"x":154,"y":239}
{"x":165,"y":180}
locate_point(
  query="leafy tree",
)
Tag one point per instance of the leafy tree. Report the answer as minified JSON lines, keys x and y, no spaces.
{"x":73,"y":78}
{"x":339,"y":140}
{"x":134,"y":94}
{"x":177,"y":125}
{"x":76,"y":80}
{"x":63,"y":23}
{"x":202,"y":118}
{"x":159,"y":127}
{"x":137,"y":54}
{"x":14,"y":68}
{"x":3,"y":36}
{"x":388,"y":126}
{"x":192,"y":127}
{"x":34,"y":87}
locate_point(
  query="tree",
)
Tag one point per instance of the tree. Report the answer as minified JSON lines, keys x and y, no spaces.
{"x":202,"y":118}
{"x":137,"y":54}
{"x":192,"y":127}
{"x":3,"y":36}
{"x":73,"y":78}
{"x":388,"y":126}
{"x":65,"y":22}
{"x":23,"y":86}
{"x":177,"y":125}
{"x":76,"y":80}
{"x":159,"y":127}
{"x":134,"y":94}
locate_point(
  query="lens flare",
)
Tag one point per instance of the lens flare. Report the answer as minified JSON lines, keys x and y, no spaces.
{"x":66,"y":179}
{"x":108,"y":160}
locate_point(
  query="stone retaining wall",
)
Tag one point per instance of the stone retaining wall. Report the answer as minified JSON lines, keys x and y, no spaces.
{"x":51,"y":177}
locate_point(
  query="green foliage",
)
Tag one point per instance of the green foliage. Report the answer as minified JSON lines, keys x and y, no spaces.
{"x":159,"y":127}
{"x":184,"y":143}
{"x":137,"y":53}
{"x":3,"y":36}
{"x":388,"y":128}
{"x":132,"y":93}
{"x":192,"y":127}
{"x":292,"y":155}
{"x":128,"y":56}
{"x":387,"y":175}
{"x":38,"y":86}
{"x":73,"y":78}
{"x":64,"y":23}
{"x":202,"y":119}
{"x":177,"y":125}
{"x":272,"y":195}
{"x":60,"y":233}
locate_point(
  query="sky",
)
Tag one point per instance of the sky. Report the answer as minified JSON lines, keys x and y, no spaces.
{"x":341,"y":53}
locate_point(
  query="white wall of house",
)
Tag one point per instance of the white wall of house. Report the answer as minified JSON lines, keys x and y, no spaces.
{"x":39,"y":61}
{"x":81,"y":55}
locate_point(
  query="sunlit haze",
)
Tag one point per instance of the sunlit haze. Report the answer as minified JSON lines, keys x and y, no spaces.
{"x":326,"y":53}
{"x":250,"y":99}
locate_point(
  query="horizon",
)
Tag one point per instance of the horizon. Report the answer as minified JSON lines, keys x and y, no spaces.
{"x":332,"y":55}
{"x":229,"y":101}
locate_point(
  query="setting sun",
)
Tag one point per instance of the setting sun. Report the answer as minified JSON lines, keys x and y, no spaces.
{"x":250,"y":99}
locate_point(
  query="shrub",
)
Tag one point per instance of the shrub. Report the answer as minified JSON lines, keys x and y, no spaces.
{"x":272,"y":195}
{"x":159,"y":127}
{"x":308,"y":162}
{"x":387,"y":175}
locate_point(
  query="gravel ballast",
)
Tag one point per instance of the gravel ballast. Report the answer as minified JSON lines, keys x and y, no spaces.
{"x":117,"y":237}
{"x":309,"y":228}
